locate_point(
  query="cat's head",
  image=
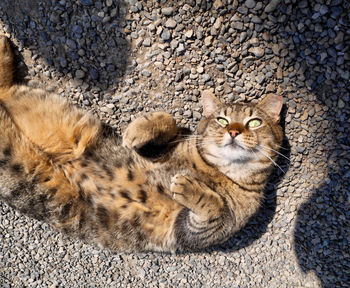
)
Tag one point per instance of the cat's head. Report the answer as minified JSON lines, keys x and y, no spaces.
{"x":240,"y":133}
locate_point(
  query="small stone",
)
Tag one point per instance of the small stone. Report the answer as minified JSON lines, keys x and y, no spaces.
{"x":79,"y":74}
{"x":181,"y":48}
{"x":206,"y":77}
{"x":339,"y":38}
{"x":146,"y":73}
{"x":167,"y":11}
{"x":302,"y":4}
{"x":63,"y":62}
{"x":87,"y":2}
{"x":218,"y":4}
{"x":272,"y":6}
{"x":220,"y":81}
{"x":336,"y":11}
{"x":165,"y":35}
{"x":197,"y":115}
{"x":200,"y":70}
{"x":47,"y":74}
{"x":71,"y":44}
{"x":242,"y":36}
{"x":189,"y":34}
{"x":323,"y":9}
{"x":260,"y":79}
{"x":341,"y":104}
{"x":170,"y":23}
{"x":279,"y":73}
{"x":276,"y":49}
{"x":270,"y":88}
{"x":208,"y":40}
{"x":257,"y":51}
{"x":93,"y":73}
{"x":217,"y":23}
{"x":147,"y":42}
{"x":238,"y":25}
{"x":250,"y":4}
{"x":242,"y":10}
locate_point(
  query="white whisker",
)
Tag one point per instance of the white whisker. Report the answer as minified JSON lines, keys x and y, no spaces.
{"x":265,"y":147}
{"x":271,"y":160}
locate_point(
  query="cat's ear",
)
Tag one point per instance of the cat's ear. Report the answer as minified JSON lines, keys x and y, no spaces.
{"x":272,"y":105}
{"x":210,"y":102}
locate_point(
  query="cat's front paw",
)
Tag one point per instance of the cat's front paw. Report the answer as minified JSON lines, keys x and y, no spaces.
{"x":182,"y":188}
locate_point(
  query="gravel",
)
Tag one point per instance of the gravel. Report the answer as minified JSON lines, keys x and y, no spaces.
{"x":119,"y":60}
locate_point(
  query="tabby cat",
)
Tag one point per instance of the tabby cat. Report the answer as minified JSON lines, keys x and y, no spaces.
{"x":154,"y":189}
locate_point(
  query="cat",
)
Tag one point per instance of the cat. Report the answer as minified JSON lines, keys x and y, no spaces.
{"x":154,"y":189}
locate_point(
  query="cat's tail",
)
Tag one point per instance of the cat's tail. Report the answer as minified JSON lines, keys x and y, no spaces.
{"x":6,"y":62}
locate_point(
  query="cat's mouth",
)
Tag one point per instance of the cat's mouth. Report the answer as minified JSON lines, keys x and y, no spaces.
{"x":234,"y":144}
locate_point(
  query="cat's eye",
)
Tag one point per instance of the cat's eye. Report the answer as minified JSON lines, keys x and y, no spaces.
{"x":254,"y":123}
{"x":222,"y":121}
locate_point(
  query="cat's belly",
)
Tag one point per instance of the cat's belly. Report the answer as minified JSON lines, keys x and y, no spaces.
{"x":130,"y":206}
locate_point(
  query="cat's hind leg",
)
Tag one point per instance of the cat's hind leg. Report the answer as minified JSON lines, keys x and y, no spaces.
{"x":6,"y":62}
{"x":150,"y":134}
{"x":205,"y":220}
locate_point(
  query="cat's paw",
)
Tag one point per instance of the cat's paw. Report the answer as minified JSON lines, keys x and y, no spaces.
{"x":157,"y":127}
{"x":182,"y":188}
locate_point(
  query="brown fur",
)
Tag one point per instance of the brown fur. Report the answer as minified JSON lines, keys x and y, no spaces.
{"x":154,"y":190}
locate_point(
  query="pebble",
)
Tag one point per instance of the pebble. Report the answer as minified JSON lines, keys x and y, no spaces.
{"x":167,"y":11}
{"x":250,"y":4}
{"x":79,"y":74}
{"x":165,"y":35}
{"x":272,"y":6}
{"x":170,"y":23}
{"x":189,"y":34}
{"x":87,"y":2}
{"x":257,"y":51}
{"x":206,"y":77}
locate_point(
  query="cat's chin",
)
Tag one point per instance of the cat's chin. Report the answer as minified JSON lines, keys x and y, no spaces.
{"x":229,"y":153}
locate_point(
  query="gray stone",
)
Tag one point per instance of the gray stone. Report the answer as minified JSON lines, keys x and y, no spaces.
{"x":206,"y":77}
{"x":170,"y":23}
{"x":79,"y":74}
{"x":167,"y":11}
{"x":250,"y":4}
{"x":146,"y":73}
{"x":165,"y":35}
{"x":273,"y":4}
{"x":87,"y":2}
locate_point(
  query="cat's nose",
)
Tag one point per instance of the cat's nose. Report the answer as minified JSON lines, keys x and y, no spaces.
{"x":233,"y":133}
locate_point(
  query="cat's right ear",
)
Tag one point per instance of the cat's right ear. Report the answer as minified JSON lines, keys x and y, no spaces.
{"x":210,"y":102}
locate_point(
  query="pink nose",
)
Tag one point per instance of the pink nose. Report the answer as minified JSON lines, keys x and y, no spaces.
{"x":234,"y":133}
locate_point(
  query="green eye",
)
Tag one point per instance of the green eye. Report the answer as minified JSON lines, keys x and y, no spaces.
{"x":222,"y":121}
{"x":254,"y":123}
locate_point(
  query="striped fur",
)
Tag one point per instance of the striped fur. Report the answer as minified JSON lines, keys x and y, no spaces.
{"x":155,"y":189}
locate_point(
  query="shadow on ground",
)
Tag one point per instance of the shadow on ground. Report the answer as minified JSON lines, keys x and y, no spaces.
{"x":87,"y":41}
{"x":322,"y":230}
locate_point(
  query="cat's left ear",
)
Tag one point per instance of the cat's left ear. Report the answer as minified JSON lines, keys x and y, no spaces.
{"x":272,"y":105}
{"x":210,"y":102}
